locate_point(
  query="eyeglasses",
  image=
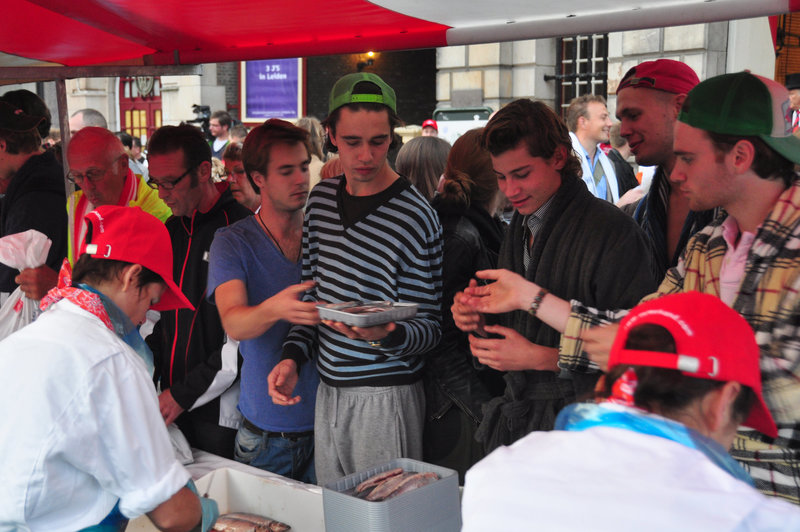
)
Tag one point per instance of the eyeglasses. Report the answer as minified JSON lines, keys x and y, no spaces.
{"x":93,"y":175}
{"x":169,"y":185}
{"x":227,"y":174}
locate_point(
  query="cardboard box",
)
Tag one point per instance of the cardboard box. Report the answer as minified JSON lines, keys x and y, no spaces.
{"x":435,"y":507}
{"x":294,"y":503}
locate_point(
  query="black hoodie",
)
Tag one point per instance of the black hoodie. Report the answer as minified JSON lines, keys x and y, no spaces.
{"x":35,"y":199}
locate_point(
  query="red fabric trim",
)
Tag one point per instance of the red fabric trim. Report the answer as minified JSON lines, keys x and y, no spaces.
{"x":773,"y":30}
{"x":96,"y":31}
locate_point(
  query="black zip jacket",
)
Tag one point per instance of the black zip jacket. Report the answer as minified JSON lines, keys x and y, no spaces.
{"x":192,"y":354}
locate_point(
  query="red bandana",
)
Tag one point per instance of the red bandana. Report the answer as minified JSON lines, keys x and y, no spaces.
{"x":88,"y":301}
{"x":624,"y":388}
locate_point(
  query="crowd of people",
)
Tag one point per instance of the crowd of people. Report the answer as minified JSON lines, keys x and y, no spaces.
{"x":176,"y":298}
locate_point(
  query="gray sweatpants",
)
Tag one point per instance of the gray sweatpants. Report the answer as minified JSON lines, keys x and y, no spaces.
{"x":356,"y":428}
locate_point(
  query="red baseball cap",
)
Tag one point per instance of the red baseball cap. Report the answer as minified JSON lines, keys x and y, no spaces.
{"x":430,"y":123}
{"x":713,"y":342}
{"x":129,"y":234}
{"x":665,"y":75}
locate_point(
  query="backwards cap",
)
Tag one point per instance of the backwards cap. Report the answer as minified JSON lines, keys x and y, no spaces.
{"x":15,"y":119}
{"x":747,"y":105}
{"x":713,"y":342}
{"x":342,"y":92}
{"x":129,"y":234}
{"x":665,"y":75}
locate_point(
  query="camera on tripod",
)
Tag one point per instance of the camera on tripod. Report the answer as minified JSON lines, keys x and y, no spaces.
{"x":202,"y":116}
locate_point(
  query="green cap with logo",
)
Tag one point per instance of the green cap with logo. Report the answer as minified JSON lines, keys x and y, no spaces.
{"x":744,"y":104}
{"x":343,"y":92}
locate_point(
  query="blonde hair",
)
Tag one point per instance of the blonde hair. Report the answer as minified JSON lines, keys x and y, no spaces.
{"x":316,"y":134}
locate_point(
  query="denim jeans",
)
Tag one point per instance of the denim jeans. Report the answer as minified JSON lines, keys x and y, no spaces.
{"x":290,"y":457}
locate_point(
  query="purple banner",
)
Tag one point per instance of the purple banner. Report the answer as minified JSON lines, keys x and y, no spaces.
{"x":271,"y":90}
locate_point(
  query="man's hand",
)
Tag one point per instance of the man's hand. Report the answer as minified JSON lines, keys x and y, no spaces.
{"x":512,"y":352}
{"x":368,"y":334}
{"x":508,"y":292}
{"x":597,"y":343}
{"x":631,"y":196}
{"x":281,"y":382}
{"x":294,"y":310}
{"x":36,"y":282}
{"x":465,"y":317}
{"x":170,"y":409}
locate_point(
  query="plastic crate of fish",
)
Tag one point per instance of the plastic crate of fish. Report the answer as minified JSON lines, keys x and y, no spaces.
{"x":434,"y":506}
{"x":367,"y":313}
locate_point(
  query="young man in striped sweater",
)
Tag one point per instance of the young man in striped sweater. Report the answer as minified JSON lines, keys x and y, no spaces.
{"x":368,"y":235}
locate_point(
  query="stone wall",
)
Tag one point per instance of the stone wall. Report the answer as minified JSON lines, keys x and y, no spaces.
{"x":412,"y":74}
{"x":493,"y":74}
{"x":228,"y":77}
{"x":701,"y":46}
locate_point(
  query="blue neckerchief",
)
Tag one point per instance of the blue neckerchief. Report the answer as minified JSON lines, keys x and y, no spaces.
{"x":124,"y":327}
{"x":582,"y":416}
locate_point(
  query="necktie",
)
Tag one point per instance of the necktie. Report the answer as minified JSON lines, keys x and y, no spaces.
{"x":532,"y":222}
{"x":600,"y":182}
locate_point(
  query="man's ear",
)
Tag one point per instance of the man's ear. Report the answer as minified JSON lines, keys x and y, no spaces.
{"x":718,"y":406}
{"x":122,"y":165}
{"x":330,"y":136}
{"x":2,"y":145}
{"x":559,"y":158}
{"x":678,"y":104}
{"x":258,"y":179}
{"x":204,"y":172}
{"x":743,"y":155}
{"x":130,"y":276}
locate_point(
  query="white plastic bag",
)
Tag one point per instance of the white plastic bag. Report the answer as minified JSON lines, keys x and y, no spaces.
{"x":180,"y":445}
{"x":21,"y":250}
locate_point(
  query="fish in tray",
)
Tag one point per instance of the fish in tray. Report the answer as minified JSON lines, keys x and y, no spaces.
{"x":374,"y":480}
{"x":391,"y":483}
{"x":242,"y":522}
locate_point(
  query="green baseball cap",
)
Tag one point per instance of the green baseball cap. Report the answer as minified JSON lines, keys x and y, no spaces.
{"x":342,"y":92}
{"x":747,"y":105}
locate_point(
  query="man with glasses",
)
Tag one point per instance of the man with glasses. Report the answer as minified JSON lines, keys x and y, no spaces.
{"x":195,"y":363}
{"x":99,"y":167}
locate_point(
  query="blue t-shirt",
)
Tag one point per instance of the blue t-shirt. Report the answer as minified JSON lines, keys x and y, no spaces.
{"x":243,"y":251}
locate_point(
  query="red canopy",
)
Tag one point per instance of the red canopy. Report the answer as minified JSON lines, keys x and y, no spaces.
{"x":180,"y":32}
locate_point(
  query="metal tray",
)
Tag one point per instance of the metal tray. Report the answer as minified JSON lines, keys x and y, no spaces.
{"x":367,"y":313}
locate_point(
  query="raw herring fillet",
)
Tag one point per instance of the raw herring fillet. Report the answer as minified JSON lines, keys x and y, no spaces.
{"x":413,"y":482}
{"x":376,"y":479}
{"x":386,"y":487}
{"x":243,"y":522}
